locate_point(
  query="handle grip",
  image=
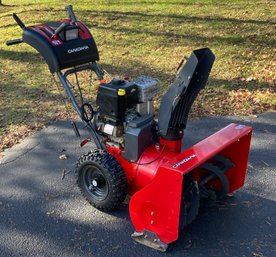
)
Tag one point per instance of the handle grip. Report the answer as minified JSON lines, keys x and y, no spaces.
{"x":18,"y":21}
{"x":14,"y":42}
{"x":71,"y":13}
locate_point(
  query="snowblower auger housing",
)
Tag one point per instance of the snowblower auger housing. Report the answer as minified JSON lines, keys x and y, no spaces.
{"x":136,"y":153}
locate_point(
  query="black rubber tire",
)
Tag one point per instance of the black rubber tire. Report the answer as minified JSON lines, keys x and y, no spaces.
{"x":101,"y":180}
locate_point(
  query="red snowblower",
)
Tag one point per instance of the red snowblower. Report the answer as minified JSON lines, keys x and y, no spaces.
{"x":137,"y":152}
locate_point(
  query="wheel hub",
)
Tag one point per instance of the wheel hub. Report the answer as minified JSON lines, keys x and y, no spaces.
{"x":94,"y":182}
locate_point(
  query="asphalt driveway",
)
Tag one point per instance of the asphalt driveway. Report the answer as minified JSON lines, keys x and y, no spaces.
{"x":43,"y":214}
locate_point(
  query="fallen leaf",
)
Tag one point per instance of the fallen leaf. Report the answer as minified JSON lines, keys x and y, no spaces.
{"x":63,"y":157}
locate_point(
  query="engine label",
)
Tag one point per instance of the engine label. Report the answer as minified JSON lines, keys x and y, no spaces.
{"x":184,"y":161}
{"x":108,"y":129}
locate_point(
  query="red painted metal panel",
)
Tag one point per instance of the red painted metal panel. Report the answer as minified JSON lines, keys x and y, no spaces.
{"x":212,"y":145}
{"x":142,"y":172}
{"x":156,"y":207}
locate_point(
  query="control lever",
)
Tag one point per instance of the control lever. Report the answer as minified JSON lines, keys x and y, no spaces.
{"x":71,"y":13}
{"x":14,"y":41}
{"x":18,"y":21}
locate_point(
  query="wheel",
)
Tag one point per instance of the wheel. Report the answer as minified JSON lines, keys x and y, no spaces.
{"x":101,"y":180}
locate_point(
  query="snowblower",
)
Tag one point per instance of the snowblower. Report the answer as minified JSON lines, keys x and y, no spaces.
{"x":139,"y":153}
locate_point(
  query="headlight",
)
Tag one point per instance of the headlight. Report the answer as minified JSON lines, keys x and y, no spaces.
{"x":71,"y":34}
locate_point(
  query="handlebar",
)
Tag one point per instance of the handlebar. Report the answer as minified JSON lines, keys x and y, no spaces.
{"x":69,"y":9}
{"x":22,"y":26}
{"x":18,"y":21}
{"x":71,"y":13}
{"x":62,"y":27}
{"x":14,"y":42}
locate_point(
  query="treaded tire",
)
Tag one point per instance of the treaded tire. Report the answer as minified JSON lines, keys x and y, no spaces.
{"x":101,"y":180}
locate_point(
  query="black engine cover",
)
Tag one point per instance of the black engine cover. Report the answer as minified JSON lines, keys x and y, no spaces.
{"x":115,"y":98}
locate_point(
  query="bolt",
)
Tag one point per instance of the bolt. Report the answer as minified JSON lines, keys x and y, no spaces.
{"x":151,"y":222}
{"x":152,"y":213}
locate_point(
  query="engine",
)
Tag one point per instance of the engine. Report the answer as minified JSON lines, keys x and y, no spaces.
{"x":125,"y":115}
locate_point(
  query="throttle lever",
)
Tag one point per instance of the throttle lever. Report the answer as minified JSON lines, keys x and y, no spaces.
{"x":18,"y":21}
{"x":14,"y":41}
{"x":71,"y":13}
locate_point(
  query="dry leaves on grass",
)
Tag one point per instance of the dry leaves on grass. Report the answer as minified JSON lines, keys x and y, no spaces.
{"x":233,"y":102}
{"x":14,"y":135}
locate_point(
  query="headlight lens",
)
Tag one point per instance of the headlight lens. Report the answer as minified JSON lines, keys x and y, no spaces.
{"x":71,"y":34}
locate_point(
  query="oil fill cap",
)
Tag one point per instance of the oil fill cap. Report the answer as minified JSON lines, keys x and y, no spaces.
{"x":121,"y":92}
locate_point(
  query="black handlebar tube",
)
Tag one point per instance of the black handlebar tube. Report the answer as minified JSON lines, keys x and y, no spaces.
{"x":90,"y":126}
{"x":63,"y":27}
{"x":14,"y":41}
{"x":18,"y":21}
{"x":71,"y":13}
{"x":77,"y":69}
{"x":22,"y":26}
{"x":93,"y":66}
{"x":97,"y":70}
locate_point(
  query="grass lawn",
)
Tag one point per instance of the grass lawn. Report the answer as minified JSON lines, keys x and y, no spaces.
{"x":144,"y":38}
